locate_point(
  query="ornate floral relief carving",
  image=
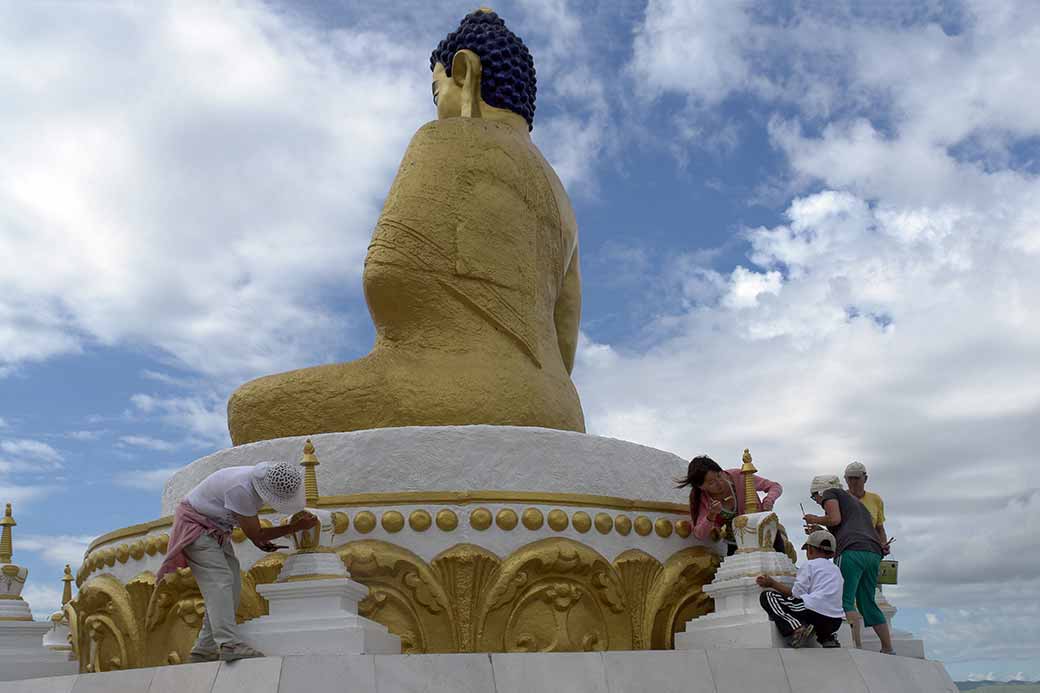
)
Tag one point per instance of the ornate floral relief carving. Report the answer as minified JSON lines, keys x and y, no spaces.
{"x":465,"y":571}
{"x":676,"y":595}
{"x":175,"y":614}
{"x":72,"y":617}
{"x":555,"y":595}
{"x":108,"y":637}
{"x":140,"y":590}
{"x":251,"y":605}
{"x":637,"y":571}
{"x":405,"y":595}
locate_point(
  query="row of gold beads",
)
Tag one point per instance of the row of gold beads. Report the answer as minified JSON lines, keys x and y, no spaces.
{"x":506,"y":519}
{"x":136,"y":550}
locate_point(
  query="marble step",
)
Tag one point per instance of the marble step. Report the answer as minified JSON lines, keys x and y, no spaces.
{"x":691,"y":671}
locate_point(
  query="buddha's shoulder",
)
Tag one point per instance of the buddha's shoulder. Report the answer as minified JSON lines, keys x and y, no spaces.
{"x":464,"y":134}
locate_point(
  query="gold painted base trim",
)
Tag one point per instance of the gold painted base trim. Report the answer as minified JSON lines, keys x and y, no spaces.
{"x":16,"y":618}
{"x":439,"y":498}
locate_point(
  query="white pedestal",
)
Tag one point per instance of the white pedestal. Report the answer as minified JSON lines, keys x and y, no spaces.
{"x":739,"y":619}
{"x":57,"y":638}
{"x":23,"y":656}
{"x":313,"y":611}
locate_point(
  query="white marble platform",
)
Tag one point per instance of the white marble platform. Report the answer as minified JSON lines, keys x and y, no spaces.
{"x":694,"y":671}
{"x":454,"y":458}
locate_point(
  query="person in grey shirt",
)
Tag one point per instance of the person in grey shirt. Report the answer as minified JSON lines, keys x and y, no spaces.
{"x":859,"y":553}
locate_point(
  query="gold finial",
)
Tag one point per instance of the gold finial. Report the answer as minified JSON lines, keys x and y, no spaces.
{"x":66,"y":592}
{"x":310,"y":474}
{"x":748,"y":471}
{"x":6,"y":545}
{"x":485,"y":9}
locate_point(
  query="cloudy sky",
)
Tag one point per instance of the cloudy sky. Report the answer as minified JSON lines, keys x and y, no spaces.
{"x":808,"y":228}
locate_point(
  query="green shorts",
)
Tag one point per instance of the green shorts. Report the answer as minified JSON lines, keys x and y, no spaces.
{"x":859,"y":570}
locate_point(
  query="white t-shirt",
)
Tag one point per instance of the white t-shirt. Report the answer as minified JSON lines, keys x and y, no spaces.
{"x":224,"y":493}
{"x":819,"y":584}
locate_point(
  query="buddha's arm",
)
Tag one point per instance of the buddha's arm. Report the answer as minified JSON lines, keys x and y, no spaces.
{"x":567,"y":315}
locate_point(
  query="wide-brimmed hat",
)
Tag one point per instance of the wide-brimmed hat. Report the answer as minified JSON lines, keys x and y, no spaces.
{"x":823,"y":482}
{"x":821,"y":539}
{"x":280,"y":485}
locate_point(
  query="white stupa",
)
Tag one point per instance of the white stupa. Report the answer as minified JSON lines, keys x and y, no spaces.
{"x":22,"y":654}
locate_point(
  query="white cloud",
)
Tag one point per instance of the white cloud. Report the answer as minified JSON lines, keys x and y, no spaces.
{"x":85,"y":435}
{"x":21,"y":494}
{"x":3,"y":423}
{"x":167,"y":379}
{"x":695,"y":47}
{"x":57,"y":550}
{"x":145,"y":479}
{"x":43,"y":600}
{"x":32,"y":449}
{"x":147,"y":442}
{"x":207,"y":171}
{"x":889,"y":318}
{"x":203,"y":416}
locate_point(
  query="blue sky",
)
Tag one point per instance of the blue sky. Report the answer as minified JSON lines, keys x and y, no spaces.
{"x":807,"y":228}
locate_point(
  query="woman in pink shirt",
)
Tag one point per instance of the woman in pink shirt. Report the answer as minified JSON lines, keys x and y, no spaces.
{"x":716,"y":497}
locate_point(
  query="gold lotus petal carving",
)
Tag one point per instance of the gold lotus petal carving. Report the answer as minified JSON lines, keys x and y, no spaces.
{"x":466,"y":571}
{"x":637,"y":571}
{"x":677,"y":596}
{"x":555,"y":595}
{"x":404,"y":594}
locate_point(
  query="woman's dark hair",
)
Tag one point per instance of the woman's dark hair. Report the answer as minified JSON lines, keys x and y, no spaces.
{"x":695,"y":473}
{"x":507,"y":68}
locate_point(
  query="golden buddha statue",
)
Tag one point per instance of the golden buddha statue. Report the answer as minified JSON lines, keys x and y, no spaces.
{"x":471,"y":278}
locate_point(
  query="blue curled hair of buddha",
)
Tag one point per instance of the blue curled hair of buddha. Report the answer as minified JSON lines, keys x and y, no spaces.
{"x":507,"y":68}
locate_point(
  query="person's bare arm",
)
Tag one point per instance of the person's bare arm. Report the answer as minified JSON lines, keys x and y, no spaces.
{"x":882,"y":536}
{"x":767,"y":581}
{"x":262,"y":536}
{"x":831,"y":516}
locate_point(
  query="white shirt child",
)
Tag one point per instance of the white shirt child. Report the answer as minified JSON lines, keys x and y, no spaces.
{"x":819,"y":585}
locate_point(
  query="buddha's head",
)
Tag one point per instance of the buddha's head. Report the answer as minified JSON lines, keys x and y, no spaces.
{"x":482,"y":69}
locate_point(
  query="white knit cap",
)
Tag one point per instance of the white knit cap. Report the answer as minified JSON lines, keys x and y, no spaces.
{"x":280,"y":485}
{"x":823,"y":482}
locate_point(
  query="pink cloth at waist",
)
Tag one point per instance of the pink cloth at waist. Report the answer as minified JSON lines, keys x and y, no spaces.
{"x":188,"y":525}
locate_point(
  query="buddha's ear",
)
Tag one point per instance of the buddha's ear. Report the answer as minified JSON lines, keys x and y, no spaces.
{"x":465,"y":72}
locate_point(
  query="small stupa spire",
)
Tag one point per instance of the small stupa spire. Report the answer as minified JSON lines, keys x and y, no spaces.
{"x":748,"y":470}
{"x":6,"y":545}
{"x":66,"y":590}
{"x":310,"y":474}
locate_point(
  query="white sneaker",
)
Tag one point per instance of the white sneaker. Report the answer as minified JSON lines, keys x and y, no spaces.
{"x":239,"y":650}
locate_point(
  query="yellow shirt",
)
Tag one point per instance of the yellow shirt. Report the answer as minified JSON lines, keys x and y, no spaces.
{"x":875,"y":505}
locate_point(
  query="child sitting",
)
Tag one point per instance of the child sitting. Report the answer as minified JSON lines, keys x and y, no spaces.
{"x":813,"y":602}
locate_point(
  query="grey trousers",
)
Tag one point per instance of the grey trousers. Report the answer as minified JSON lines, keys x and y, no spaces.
{"x":216,"y":571}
